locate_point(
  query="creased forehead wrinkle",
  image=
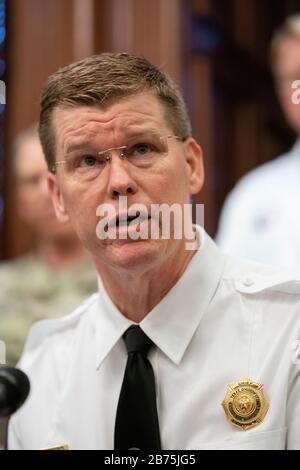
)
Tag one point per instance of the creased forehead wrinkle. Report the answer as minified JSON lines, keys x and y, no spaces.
{"x":139,"y":115}
{"x":103,"y":79}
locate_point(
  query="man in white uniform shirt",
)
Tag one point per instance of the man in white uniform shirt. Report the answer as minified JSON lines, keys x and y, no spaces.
{"x":223,"y":369}
{"x":260,"y":219}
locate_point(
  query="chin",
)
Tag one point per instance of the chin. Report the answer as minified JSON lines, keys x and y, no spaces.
{"x":130,"y":254}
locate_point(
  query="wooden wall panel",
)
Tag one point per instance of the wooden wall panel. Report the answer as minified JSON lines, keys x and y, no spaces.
{"x":199,"y":91}
{"x":40,"y":39}
{"x":44,"y":35}
{"x":142,"y":27}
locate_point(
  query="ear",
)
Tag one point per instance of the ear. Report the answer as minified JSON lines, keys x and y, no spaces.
{"x":194,"y":160}
{"x":57,"y":198}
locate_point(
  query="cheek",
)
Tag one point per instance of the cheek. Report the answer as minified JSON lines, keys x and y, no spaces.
{"x":30,"y":202}
{"x":286,"y":98}
{"x":24,"y":200}
{"x":26,"y":194}
{"x":172,"y":182}
{"x":292,"y":110}
{"x":81,"y":205}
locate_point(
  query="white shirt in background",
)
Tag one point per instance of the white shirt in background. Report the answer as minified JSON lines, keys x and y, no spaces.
{"x":261,"y":216}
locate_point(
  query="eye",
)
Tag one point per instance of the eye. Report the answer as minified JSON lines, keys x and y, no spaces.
{"x":88,"y":160}
{"x":91,"y":161}
{"x":142,"y":149}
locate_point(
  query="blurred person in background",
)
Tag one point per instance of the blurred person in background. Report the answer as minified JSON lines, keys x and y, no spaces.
{"x":58,"y":274}
{"x":260,"y":218}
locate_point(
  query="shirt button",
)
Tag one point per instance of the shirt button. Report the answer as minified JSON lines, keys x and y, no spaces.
{"x":248,"y":282}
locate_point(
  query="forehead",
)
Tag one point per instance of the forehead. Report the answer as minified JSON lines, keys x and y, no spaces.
{"x":137,"y":113}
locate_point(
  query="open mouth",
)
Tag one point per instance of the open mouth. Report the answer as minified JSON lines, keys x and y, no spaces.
{"x":123,"y":220}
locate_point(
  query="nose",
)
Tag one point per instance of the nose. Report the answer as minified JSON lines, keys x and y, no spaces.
{"x":121,"y":181}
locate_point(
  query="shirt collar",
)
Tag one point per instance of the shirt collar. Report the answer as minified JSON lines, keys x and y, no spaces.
{"x":294,"y":158}
{"x":296,"y":147}
{"x":173,"y":322}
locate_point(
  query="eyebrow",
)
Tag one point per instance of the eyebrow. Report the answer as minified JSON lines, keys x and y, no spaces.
{"x":72,"y":147}
{"x":130,"y":136}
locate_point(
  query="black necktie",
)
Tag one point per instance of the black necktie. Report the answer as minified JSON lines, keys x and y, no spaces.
{"x":136,"y":420}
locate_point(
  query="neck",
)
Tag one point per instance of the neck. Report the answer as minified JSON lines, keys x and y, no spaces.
{"x":136,"y":294}
{"x":60,"y":252}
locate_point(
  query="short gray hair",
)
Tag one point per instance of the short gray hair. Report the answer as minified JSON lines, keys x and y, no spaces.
{"x":100,"y":80}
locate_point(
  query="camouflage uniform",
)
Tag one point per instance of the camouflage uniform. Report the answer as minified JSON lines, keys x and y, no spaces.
{"x":31,"y":291}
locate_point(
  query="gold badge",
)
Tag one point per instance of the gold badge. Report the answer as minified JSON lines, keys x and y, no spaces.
{"x":245,"y":404}
{"x":59,"y":447}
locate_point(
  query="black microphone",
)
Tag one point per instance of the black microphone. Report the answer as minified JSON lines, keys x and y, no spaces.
{"x":14,"y":389}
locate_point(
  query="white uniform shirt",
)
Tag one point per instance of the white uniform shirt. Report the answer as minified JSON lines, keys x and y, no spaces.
{"x":222,"y":321}
{"x":261,"y":216}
